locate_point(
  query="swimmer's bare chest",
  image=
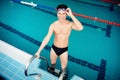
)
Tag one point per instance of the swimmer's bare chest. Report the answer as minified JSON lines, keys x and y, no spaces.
{"x":61,"y":35}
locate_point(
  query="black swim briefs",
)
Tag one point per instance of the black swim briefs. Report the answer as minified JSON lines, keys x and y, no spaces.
{"x":59,"y":51}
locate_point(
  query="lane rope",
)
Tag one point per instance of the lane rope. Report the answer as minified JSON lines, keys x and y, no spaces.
{"x":112,"y":1}
{"x":98,"y":19}
{"x":76,"y":14}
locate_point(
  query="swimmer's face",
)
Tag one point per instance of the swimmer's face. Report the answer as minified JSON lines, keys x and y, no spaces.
{"x":61,"y":13}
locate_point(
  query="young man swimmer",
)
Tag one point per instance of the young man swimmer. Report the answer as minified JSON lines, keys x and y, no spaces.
{"x":61,"y":30}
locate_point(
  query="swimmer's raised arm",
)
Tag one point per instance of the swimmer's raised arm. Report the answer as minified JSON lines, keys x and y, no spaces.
{"x":75,"y":24}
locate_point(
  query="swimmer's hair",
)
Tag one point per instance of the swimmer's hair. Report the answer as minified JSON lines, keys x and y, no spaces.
{"x":62,"y":6}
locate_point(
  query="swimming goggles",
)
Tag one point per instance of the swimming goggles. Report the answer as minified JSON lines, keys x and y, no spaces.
{"x":62,"y":9}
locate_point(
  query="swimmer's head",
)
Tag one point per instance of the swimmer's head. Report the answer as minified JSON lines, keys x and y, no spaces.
{"x":61,"y":7}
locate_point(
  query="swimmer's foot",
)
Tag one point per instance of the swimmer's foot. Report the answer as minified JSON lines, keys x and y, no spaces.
{"x":63,"y":75}
{"x":51,"y":70}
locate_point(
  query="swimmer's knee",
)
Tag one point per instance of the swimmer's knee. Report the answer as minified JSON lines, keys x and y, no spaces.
{"x":63,"y":67}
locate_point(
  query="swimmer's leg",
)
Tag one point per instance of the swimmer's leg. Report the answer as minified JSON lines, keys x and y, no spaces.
{"x":53,"y":58}
{"x":64,"y":60}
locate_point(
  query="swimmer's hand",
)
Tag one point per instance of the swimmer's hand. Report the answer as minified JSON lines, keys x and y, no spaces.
{"x":37,"y":54}
{"x":69,"y":12}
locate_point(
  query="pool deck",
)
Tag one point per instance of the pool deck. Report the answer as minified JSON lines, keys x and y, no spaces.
{"x":13,"y":62}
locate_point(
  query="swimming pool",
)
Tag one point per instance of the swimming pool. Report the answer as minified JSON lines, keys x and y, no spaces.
{"x":93,"y":54}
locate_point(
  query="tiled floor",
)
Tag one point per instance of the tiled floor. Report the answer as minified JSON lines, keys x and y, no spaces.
{"x":13,"y":64}
{"x":11,"y":69}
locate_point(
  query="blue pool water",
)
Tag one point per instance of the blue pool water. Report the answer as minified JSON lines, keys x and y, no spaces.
{"x":93,"y":53}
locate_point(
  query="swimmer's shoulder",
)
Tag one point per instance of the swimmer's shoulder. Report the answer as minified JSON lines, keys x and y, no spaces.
{"x":53,"y":24}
